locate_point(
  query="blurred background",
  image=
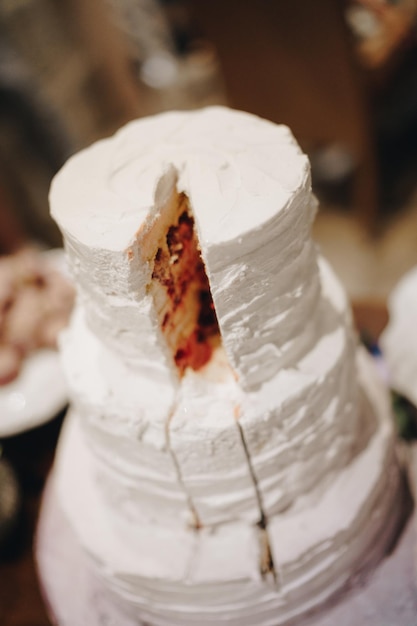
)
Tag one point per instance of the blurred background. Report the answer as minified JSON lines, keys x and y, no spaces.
{"x":341,"y":73}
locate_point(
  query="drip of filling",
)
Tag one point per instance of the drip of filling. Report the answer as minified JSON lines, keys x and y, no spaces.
{"x":182,"y":295}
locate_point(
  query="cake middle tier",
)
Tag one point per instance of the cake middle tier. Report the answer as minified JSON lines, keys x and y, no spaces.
{"x":208,"y":452}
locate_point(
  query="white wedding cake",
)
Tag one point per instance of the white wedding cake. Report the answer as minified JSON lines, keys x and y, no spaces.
{"x":229,"y":456}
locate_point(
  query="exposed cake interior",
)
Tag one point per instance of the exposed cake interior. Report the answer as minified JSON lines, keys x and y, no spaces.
{"x":180,"y":287}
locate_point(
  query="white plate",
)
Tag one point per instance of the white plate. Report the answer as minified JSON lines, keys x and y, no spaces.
{"x":35,"y":396}
{"x":40,"y":391}
{"x":399,"y":339}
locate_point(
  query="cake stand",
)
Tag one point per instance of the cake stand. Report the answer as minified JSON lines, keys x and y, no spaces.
{"x":74,"y":595}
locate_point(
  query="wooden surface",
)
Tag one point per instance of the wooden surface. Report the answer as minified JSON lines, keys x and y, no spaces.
{"x":293,"y":62}
{"x":31,"y":456}
{"x":371,"y":317}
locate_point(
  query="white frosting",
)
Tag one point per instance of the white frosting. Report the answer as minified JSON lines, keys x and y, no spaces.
{"x":182,"y":486}
{"x":172,"y":576}
{"x":253,"y":221}
{"x":298,"y":426}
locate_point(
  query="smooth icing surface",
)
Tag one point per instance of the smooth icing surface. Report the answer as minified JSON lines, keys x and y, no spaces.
{"x":250,"y":491}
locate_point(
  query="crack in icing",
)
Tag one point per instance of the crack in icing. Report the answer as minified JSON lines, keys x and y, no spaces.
{"x":179,"y":247}
{"x":266,"y":564}
{"x":194,"y":517}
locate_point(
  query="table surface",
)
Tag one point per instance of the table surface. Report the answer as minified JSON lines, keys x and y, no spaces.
{"x":31,"y":456}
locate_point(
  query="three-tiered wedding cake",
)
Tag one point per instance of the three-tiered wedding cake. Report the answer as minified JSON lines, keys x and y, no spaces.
{"x":229,"y":457}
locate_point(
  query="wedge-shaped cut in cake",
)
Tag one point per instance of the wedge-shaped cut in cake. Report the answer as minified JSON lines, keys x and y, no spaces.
{"x":181,"y":291}
{"x":234,"y":448}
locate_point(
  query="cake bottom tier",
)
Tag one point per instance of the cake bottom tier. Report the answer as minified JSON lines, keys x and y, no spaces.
{"x":169,"y":577}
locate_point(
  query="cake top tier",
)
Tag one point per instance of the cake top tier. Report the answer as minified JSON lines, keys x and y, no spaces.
{"x":238,"y":170}
{"x":189,"y":231}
